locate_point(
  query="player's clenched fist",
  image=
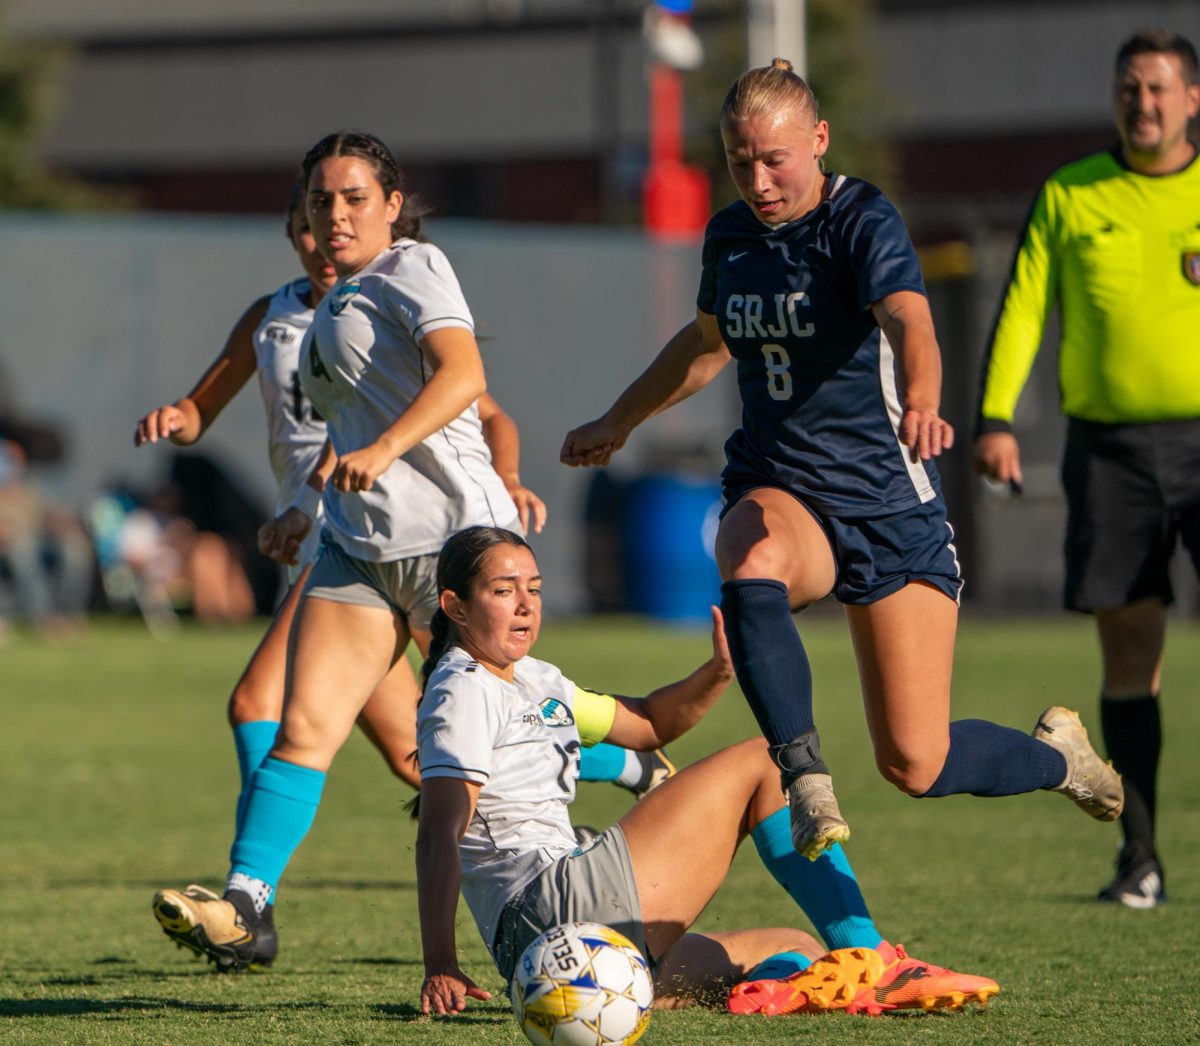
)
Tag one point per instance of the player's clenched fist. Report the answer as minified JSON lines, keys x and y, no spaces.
{"x":166,"y":422}
{"x":281,"y":537}
{"x":592,"y":444}
{"x":358,"y":470}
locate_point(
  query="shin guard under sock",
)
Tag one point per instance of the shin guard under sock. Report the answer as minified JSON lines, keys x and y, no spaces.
{"x":253,"y":742}
{"x":773,"y":671}
{"x":279,"y":812}
{"x":991,"y":760}
{"x":825,"y":889}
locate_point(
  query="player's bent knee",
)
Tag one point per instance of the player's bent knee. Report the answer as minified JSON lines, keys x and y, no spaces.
{"x":305,"y":743}
{"x":313,"y":757}
{"x":912,"y":776}
{"x":250,"y":703}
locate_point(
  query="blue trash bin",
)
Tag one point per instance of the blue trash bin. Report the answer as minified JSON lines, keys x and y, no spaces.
{"x":668,"y":526}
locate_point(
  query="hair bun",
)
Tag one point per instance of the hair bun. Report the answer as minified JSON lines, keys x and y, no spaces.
{"x":782,"y":63}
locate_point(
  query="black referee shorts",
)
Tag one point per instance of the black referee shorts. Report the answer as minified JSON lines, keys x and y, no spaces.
{"x":1133,"y":491}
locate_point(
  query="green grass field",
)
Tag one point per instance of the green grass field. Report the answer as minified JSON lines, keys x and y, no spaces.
{"x":117,"y":776}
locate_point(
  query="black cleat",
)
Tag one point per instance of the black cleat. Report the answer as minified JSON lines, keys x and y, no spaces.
{"x":1139,"y":882}
{"x":266,"y":941}
{"x":656,"y":768}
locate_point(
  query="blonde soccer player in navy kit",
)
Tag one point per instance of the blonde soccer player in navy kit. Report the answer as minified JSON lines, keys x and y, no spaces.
{"x":811,"y":284}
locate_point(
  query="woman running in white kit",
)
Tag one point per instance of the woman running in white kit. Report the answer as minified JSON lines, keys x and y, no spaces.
{"x":268,"y":339}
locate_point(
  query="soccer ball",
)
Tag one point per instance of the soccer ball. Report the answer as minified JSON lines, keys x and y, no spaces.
{"x":582,"y":983}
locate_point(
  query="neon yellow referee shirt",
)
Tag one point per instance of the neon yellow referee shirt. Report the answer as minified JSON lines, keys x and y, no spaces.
{"x":1120,"y":253}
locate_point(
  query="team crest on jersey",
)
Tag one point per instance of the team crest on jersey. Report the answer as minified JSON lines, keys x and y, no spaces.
{"x":555,"y":713}
{"x":1191,"y":266}
{"x":343,"y":295}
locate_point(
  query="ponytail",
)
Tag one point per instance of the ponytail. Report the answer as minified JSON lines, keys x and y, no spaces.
{"x":442,"y":630}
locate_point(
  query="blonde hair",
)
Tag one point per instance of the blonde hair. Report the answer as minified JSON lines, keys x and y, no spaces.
{"x":766,"y":91}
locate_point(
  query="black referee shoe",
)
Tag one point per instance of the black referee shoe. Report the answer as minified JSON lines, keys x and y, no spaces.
{"x":1139,"y":882}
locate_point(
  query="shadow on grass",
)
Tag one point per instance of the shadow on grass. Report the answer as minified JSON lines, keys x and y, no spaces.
{"x":381,"y":960}
{"x":478,"y":1014}
{"x":83,"y":1007}
{"x":148,"y":1006}
{"x":85,"y":882}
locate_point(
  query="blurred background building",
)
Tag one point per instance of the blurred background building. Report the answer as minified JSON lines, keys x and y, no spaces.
{"x":167,"y":136}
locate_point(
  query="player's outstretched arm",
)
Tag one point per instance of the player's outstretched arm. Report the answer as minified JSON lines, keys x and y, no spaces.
{"x":503,"y":438}
{"x":688,"y":362}
{"x":905,"y":319}
{"x":666,"y":713}
{"x":447,"y":805}
{"x":186,"y":420}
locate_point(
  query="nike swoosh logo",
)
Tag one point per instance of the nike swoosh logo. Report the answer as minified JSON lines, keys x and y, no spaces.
{"x":740,"y":254}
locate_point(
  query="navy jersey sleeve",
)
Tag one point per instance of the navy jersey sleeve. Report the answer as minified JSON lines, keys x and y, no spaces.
{"x":706,"y":297}
{"x":881,"y":254}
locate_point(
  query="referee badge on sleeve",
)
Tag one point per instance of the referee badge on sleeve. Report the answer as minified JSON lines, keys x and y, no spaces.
{"x":1191,"y":267}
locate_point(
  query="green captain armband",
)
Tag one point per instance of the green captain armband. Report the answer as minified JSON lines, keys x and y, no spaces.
{"x":594,"y":715}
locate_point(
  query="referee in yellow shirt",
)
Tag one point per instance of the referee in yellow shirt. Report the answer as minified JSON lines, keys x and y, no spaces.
{"x":1114,"y":239}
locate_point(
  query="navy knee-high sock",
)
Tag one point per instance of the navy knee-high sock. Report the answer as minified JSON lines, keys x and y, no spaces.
{"x":771,"y":665}
{"x":987,"y":759}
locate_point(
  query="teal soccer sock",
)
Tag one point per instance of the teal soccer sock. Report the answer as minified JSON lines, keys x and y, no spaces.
{"x":601,"y":763}
{"x":825,"y":888}
{"x":280,"y":809}
{"x":253,"y":742}
{"x":777,"y":967}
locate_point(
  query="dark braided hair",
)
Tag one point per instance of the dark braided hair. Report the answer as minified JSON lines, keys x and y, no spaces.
{"x":367,"y":147}
{"x":459,"y":564}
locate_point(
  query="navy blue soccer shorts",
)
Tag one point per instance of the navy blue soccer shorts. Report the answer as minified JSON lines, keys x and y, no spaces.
{"x":881,"y":555}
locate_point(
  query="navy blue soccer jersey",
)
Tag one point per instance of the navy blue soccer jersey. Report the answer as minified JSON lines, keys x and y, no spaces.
{"x":820,"y":404}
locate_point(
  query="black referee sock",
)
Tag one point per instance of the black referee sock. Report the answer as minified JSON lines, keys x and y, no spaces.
{"x":772,"y":667}
{"x":1133,"y":736}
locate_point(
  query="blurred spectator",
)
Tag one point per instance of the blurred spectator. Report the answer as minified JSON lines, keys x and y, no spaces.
{"x":217,"y":504}
{"x":45,"y":554}
{"x":155,"y":558}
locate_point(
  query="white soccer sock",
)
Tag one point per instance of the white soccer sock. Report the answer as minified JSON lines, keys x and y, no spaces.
{"x":258,"y":891}
{"x":634,"y":771}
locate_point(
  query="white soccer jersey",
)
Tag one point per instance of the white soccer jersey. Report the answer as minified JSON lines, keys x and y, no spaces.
{"x":295,"y":433}
{"x":362,"y":366}
{"x":520,"y":743}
